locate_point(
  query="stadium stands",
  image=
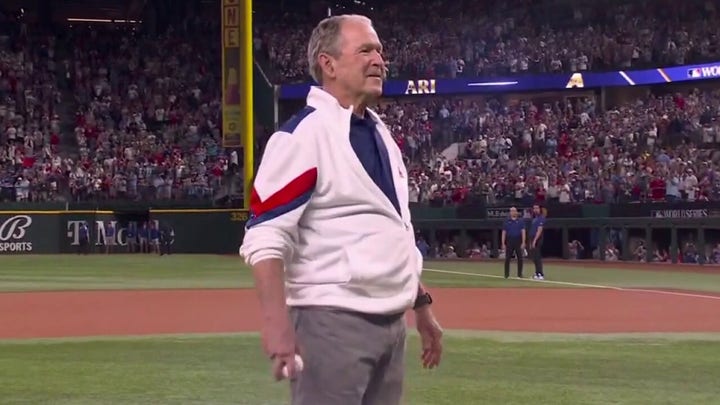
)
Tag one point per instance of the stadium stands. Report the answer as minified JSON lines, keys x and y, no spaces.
{"x":148,"y":114}
{"x":31,"y":168}
{"x":651,"y":149}
{"x":490,"y":38}
{"x":140,"y":112}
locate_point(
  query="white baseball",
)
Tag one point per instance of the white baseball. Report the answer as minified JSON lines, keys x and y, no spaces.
{"x":298,"y":366}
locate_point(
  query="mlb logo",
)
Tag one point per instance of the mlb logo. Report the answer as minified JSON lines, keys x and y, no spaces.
{"x":694,"y":73}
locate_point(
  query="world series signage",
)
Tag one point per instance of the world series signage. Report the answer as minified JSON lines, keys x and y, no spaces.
{"x":699,"y":213}
{"x":679,"y":209}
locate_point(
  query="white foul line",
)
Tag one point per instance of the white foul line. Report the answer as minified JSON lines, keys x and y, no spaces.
{"x":606,"y":287}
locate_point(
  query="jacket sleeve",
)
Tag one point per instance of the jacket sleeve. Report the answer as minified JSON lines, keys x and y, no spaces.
{"x":284,"y":183}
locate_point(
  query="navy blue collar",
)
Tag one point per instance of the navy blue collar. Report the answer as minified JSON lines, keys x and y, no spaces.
{"x":366,"y":119}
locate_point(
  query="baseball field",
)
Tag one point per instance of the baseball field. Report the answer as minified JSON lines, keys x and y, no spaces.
{"x":131,"y":329}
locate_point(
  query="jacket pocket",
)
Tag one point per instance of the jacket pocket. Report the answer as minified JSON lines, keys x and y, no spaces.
{"x":380,"y":264}
{"x":330,"y":268}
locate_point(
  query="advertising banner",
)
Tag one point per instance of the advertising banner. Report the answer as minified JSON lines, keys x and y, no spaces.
{"x":204,"y":231}
{"x":684,"y":209}
{"x":47,"y":232}
{"x":21,"y":233}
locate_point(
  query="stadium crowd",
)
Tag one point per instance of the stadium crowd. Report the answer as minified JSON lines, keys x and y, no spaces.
{"x":31,"y":167}
{"x":147,"y":115}
{"x":148,"y":106}
{"x":656,"y":148}
{"x":148,"y":122}
{"x":490,"y":38}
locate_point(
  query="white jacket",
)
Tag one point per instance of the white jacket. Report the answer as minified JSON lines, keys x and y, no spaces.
{"x":314,"y":206}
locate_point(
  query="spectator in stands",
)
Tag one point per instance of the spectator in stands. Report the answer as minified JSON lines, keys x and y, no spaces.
{"x":150,"y":133}
{"x":494,"y":38}
{"x":611,"y":253}
{"x":691,"y":254}
{"x":660,"y":256}
{"x":715,"y":257}
{"x":30,"y":168}
{"x":478,"y":251}
{"x":575,"y":250}
{"x":493,"y":174}
{"x":148,"y":119}
{"x":640,"y":252}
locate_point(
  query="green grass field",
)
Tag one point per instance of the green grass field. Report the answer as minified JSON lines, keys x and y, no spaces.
{"x":476,"y":370}
{"x":98,"y":272}
{"x":479,"y":368}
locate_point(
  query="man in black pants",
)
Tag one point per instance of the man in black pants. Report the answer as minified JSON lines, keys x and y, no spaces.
{"x":536,"y":240}
{"x":166,"y":239}
{"x":83,"y":239}
{"x":513,"y":241}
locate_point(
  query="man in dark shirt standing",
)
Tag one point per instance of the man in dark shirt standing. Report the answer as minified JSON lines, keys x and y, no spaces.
{"x":84,"y":239}
{"x":513,"y":241}
{"x":536,"y":240}
{"x":166,"y":238}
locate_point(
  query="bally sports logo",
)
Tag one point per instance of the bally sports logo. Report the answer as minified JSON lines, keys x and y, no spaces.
{"x":12,"y":233}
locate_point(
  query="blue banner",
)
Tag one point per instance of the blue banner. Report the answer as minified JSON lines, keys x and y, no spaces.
{"x":425,"y":86}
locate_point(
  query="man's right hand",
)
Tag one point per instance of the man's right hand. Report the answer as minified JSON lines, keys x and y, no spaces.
{"x":278,"y":340}
{"x":278,"y":334}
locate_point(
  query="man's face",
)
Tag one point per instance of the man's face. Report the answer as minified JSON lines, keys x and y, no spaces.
{"x":513,"y":212}
{"x":359,"y":66}
{"x":536,"y":210}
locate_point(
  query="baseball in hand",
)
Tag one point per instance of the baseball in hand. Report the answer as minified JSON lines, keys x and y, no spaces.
{"x":298,"y":366}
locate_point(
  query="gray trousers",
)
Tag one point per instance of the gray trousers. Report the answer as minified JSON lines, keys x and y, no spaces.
{"x":349,"y":358}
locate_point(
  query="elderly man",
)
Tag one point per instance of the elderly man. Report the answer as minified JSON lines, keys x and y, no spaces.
{"x":330,"y":239}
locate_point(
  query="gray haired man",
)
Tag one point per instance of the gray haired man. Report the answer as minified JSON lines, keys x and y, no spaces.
{"x":330,"y":238}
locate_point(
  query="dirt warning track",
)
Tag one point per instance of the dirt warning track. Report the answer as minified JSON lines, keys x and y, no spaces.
{"x":142,"y":312}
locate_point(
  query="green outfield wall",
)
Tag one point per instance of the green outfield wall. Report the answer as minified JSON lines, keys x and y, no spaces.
{"x":51,"y":229}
